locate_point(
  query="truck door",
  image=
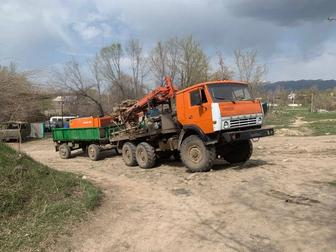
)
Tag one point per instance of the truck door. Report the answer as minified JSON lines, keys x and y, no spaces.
{"x":198,"y":110}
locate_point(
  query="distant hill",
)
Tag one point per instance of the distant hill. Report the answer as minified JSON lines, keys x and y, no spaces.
{"x":301,"y":84}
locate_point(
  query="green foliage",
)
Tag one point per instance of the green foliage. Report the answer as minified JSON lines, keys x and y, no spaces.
{"x":194,"y":63}
{"x":318,"y":123}
{"x":114,"y":51}
{"x":333,"y":183}
{"x":37,"y":203}
{"x":323,"y":128}
{"x":281,"y":117}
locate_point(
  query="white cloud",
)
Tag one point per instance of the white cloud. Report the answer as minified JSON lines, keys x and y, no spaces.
{"x":37,"y":32}
{"x":86,"y":31}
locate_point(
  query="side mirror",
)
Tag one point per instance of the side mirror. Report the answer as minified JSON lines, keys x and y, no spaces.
{"x":265,"y":107}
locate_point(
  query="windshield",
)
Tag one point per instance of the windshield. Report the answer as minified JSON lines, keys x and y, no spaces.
{"x":229,"y":92}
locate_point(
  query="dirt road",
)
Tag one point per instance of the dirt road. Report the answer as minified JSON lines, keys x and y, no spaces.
{"x":278,"y":201}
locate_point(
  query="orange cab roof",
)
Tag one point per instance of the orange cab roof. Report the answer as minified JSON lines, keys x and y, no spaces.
{"x":211,"y":82}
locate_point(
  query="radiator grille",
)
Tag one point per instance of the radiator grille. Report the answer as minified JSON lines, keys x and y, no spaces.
{"x":243,"y":122}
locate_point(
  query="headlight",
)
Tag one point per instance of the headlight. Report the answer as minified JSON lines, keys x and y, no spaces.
{"x":259,"y":120}
{"x":226,"y":124}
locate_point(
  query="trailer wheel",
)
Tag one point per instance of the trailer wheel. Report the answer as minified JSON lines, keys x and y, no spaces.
{"x":145,"y":155}
{"x":64,"y":151}
{"x":128,"y":154}
{"x":94,"y":152}
{"x":240,"y":152}
{"x":196,"y":156}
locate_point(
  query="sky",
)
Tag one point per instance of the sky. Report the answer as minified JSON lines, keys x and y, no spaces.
{"x":293,"y":37}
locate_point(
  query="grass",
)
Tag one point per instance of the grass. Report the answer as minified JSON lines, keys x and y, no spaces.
{"x":280,"y":117}
{"x":333,"y":183}
{"x":38,"y":203}
{"x":318,"y":123}
{"x":323,"y":128}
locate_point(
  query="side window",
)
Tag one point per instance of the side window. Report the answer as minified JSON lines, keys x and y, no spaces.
{"x":195,"y":98}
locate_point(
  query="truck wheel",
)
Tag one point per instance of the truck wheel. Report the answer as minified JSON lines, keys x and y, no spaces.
{"x":128,"y":154}
{"x":94,"y":152}
{"x":240,"y":152}
{"x":145,"y":155}
{"x":64,"y":151}
{"x":196,"y":156}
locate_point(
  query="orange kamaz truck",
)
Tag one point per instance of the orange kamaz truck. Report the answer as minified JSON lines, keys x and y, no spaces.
{"x":198,"y":124}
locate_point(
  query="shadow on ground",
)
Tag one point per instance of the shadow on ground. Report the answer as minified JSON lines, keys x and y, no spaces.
{"x":103,"y":154}
{"x":252,"y":163}
{"x":219,"y":164}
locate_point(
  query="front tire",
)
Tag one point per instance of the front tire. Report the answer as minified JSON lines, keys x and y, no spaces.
{"x":145,"y":155}
{"x":128,"y":154}
{"x":196,"y":156}
{"x":240,"y":152}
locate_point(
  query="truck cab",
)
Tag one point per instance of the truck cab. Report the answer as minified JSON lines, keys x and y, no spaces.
{"x":218,"y":106}
{"x":218,"y":119}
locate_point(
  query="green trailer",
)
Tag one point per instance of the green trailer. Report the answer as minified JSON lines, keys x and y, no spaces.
{"x":91,"y":140}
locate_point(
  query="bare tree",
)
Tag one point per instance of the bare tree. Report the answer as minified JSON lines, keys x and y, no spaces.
{"x":249,"y":70}
{"x":164,"y":60}
{"x":182,"y":59}
{"x":193,"y":62}
{"x":138,"y":67}
{"x":77,"y":83}
{"x":223,"y":72}
{"x":110,"y":58}
{"x":173,"y":55}
{"x":158,"y":62}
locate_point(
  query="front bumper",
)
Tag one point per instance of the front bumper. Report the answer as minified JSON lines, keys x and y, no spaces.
{"x":247,"y":134}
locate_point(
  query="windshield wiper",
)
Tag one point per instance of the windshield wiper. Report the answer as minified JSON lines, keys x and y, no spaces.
{"x":223,"y":99}
{"x":244,"y":99}
{"x":220,"y":98}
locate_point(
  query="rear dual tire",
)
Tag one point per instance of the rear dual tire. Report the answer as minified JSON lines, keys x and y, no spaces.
{"x":143,"y":155}
{"x":128,"y":154}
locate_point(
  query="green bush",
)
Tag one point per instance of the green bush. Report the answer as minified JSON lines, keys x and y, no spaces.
{"x":37,"y":202}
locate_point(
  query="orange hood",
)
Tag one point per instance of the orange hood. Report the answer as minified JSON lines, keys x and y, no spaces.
{"x":240,"y":108}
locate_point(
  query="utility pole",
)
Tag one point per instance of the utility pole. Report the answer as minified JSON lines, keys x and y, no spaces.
{"x":62,"y":103}
{"x":312,"y":102}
